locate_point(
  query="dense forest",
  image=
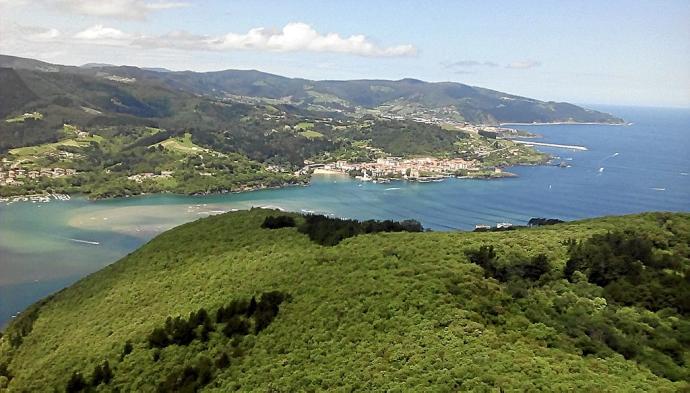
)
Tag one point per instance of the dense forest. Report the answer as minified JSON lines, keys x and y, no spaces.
{"x":329,"y":231}
{"x":250,"y":301}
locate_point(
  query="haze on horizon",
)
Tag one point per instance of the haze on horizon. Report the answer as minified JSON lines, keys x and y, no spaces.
{"x":620,"y":52}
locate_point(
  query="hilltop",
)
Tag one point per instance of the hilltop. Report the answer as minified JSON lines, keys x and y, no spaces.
{"x":294,"y":303}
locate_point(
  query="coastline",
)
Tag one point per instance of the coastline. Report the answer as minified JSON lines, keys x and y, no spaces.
{"x":328,"y":172}
{"x":45,"y":198}
{"x":564,"y":123}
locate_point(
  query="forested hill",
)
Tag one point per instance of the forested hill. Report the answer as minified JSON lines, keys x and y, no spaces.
{"x":264,"y":300}
{"x":406,"y":97}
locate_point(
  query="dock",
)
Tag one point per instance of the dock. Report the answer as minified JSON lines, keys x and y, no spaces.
{"x":571,"y":147}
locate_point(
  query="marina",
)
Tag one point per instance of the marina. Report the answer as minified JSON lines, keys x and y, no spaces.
{"x":35,"y":198}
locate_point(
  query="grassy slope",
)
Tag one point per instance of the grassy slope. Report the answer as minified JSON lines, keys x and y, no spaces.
{"x":182,"y":144}
{"x":359,"y":318}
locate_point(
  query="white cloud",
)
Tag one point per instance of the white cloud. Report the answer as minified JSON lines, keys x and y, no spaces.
{"x":47,"y":35}
{"x":124,"y":9}
{"x":524,"y":64}
{"x":29,"y":33}
{"x":166,"y":5}
{"x":293,"y":37}
{"x":100,"y":32}
{"x":12,"y":3}
{"x":469,"y":63}
{"x":176,"y":40}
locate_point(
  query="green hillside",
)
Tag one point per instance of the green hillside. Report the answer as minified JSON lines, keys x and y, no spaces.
{"x":405,"y":97}
{"x":596,"y":305}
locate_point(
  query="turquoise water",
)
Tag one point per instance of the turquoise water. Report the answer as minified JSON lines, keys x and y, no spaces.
{"x":627,"y":169}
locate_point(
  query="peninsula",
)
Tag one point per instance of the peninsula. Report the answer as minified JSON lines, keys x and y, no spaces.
{"x":106,"y":131}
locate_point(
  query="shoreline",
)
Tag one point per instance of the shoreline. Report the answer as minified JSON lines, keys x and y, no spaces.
{"x":328,"y":172}
{"x":60,"y":197}
{"x":324,"y":172}
{"x":564,"y":123}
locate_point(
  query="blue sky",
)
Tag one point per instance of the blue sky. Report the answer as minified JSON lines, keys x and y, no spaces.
{"x":592,"y":52}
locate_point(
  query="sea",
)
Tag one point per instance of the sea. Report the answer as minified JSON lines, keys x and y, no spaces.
{"x":642,"y":166}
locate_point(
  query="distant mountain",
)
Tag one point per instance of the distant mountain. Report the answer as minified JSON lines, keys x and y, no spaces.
{"x":96,"y":65}
{"x":30,"y":64}
{"x":155,"y":69}
{"x":407,"y":98}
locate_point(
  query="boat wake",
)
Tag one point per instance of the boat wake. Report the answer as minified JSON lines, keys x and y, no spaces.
{"x":85,"y":242}
{"x":616,"y":154}
{"x":392,"y":188}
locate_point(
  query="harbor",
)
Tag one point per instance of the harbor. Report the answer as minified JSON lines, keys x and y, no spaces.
{"x":35,"y":198}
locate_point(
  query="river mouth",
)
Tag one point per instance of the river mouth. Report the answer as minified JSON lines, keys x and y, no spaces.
{"x":645,"y":169}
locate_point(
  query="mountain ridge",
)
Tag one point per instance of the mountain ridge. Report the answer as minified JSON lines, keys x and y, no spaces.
{"x":405,"y":97}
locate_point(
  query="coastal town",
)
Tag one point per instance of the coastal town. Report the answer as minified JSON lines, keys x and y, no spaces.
{"x":421,"y":169}
{"x":16,"y":175}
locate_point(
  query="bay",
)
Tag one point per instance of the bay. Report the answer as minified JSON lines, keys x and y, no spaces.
{"x":626,"y":169}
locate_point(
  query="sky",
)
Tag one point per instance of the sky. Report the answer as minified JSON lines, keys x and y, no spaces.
{"x":613,"y":52}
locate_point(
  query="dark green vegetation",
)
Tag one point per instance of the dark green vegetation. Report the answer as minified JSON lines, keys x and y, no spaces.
{"x":329,"y":231}
{"x":537,"y":221}
{"x":626,"y":266}
{"x":178,"y":331}
{"x":533,"y":222}
{"x":233,"y":320}
{"x":596,"y":305}
{"x":401,"y":138}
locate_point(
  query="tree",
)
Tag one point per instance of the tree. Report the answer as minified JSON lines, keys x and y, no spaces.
{"x":222,"y":361}
{"x":535,"y":268}
{"x":76,"y":383}
{"x":101,"y":374}
{"x":127,"y":349}
{"x":236,"y":326}
{"x":158,"y":338}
